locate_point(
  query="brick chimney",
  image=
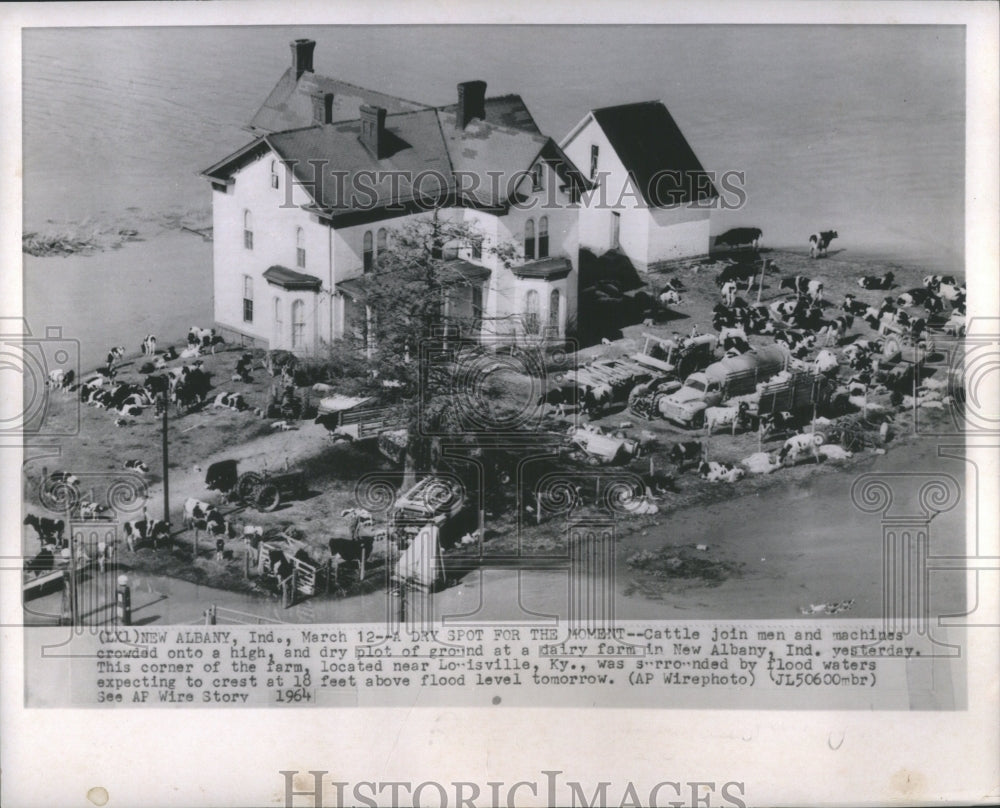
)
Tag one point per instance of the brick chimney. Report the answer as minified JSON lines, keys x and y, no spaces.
{"x":471,"y":102}
{"x":322,"y":107}
{"x":373,"y":130}
{"x":302,"y":56}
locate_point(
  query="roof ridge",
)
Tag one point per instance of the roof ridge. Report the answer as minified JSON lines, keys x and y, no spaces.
{"x":354,"y":86}
{"x":631,"y":104}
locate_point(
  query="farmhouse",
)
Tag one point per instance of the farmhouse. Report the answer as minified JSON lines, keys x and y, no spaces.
{"x":302,"y":211}
{"x":651,"y":198}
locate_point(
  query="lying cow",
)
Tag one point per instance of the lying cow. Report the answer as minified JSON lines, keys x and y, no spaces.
{"x":144,"y":530}
{"x":720,"y":472}
{"x":233,"y":401}
{"x":876,"y":282}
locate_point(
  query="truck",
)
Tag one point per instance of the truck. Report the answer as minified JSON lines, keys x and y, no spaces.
{"x":722,"y":380}
{"x":660,"y":360}
{"x":792,"y":391}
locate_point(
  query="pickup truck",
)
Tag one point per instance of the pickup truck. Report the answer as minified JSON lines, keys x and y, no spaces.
{"x":735,"y":376}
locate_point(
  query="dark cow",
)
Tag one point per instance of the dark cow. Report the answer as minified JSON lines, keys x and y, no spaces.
{"x":352,"y":550}
{"x":914,"y":297}
{"x":736,"y":344}
{"x":157,"y":385}
{"x":48,"y":530}
{"x":192,"y":388}
{"x":876,"y":282}
{"x":738,"y":236}
{"x":777,"y":423}
{"x":44,"y":562}
{"x":687,"y":452}
{"x":736,"y":273}
{"x":819,"y":242}
{"x":243,"y":368}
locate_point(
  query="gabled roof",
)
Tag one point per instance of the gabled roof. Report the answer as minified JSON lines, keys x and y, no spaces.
{"x":423,"y":146}
{"x":289,"y":105}
{"x":291,"y":280}
{"x":650,"y":144}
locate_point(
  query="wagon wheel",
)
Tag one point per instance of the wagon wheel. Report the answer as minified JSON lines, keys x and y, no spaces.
{"x":268,"y":497}
{"x":247,"y":483}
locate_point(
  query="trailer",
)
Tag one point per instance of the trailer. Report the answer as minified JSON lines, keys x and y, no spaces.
{"x":793,"y":393}
{"x":265,"y":489}
{"x":351,"y":419}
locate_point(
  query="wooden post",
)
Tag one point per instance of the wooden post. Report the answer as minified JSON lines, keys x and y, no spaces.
{"x":760,"y":286}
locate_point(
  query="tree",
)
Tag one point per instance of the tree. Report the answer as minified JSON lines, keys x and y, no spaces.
{"x":420,"y":316}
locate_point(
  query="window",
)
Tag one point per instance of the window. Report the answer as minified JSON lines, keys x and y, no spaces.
{"x":554,"y":312}
{"x":274,"y":174}
{"x":543,"y":237}
{"x":247,"y":230}
{"x":536,"y":177}
{"x":279,"y":325}
{"x":298,"y":324}
{"x":381,"y":242}
{"x":367,"y":251}
{"x":594,"y":150}
{"x":247,"y":299}
{"x":529,"y":240}
{"x":531,"y":319}
{"x":300,"y":248}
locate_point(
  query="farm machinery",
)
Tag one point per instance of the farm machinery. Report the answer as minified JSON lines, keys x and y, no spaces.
{"x":265,"y":490}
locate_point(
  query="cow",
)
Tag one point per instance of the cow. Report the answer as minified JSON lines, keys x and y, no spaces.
{"x":949,"y":291}
{"x":195,"y":510}
{"x":826,"y":363}
{"x":61,"y":379}
{"x":914,"y":297}
{"x":192,"y":388}
{"x":687,"y":452}
{"x":114,"y":354}
{"x":136,"y":465}
{"x":233,"y":401}
{"x":729,"y":293}
{"x":832,"y":451}
{"x":836,"y":328}
{"x":735,"y":346}
{"x":760,"y":463}
{"x":795,"y":283}
{"x":144,"y":530}
{"x":777,"y":423}
{"x":243,"y":368}
{"x":64,"y":478}
{"x":736,"y":273}
{"x":876,"y":282}
{"x":669,"y":298}
{"x":357,"y":550}
{"x":191,"y":352}
{"x":819,"y":242}
{"x":720,"y":472}
{"x":157,"y":385}
{"x":853,"y":306}
{"x":798,"y":445}
{"x":149,"y":345}
{"x":277,"y":360}
{"x":50,"y":531}
{"x":955,"y":325}
{"x":727,"y":416}
{"x":739,"y":236}
{"x":933,"y":281}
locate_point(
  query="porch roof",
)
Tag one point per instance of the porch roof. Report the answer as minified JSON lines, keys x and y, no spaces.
{"x":291,"y":280}
{"x":547,"y":269}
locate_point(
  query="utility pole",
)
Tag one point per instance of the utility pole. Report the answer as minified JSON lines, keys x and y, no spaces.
{"x":166,"y":471}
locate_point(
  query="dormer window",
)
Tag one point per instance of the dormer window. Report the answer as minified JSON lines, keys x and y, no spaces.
{"x":594,"y":151}
{"x":536,"y":177}
{"x":274,"y":174}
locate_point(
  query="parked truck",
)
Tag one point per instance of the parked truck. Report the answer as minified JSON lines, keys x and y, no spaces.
{"x":728,"y":378}
{"x":792,"y":391}
{"x":660,"y":360}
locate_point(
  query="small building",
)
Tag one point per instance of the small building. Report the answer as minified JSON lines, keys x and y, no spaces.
{"x":302,"y":211}
{"x":652,"y":199}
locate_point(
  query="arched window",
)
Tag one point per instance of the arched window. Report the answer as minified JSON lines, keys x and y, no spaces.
{"x":531,"y":319}
{"x":536,"y":177}
{"x":274,"y":174}
{"x":380,"y":242}
{"x":529,"y":240}
{"x":279,"y":325}
{"x":247,"y":299}
{"x":543,"y":237}
{"x":554,"y":312}
{"x":247,"y":230}
{"x":366,"y":252}
{"x":300,"y":247}
{"x":298,"y":324}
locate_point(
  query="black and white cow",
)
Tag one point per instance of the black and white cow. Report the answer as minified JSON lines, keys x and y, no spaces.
{"x":143,"y":530}
{"x":50,"y":531}
{"x":876,"y":282}
{"x":114,"y":354}
{"x":136,"y":465}
{"x":233,"y":401}
{"x":738,"y":236}
{"x":853,"y":306}
{"x":820,"y":242}
{"x":149,"y":345}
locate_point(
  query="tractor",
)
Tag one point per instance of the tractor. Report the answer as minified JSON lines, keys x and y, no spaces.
{"x":265,"y":490}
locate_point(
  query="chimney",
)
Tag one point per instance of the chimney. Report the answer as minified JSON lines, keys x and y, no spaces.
{"x":373,"y":130}
{"x":471,"y":102}
{"x":322,"y":107}
{"x":302,"y":56}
